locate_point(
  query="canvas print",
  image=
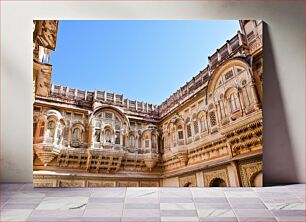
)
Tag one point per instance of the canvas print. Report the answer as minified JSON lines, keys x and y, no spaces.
{"x":107,"y":128}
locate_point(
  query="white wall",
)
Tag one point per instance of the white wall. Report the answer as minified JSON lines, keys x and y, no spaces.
{"x":284,"y":96}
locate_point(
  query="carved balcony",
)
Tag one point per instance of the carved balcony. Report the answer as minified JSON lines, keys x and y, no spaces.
{"x":151,"y":160}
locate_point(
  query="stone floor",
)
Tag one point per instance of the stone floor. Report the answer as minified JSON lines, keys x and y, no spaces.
{"x":21,"y":202}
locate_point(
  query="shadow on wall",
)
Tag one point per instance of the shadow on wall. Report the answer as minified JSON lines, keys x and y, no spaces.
{"x":278,"y":160}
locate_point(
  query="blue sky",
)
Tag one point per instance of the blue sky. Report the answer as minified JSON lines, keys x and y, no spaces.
{"x":144,"y":60}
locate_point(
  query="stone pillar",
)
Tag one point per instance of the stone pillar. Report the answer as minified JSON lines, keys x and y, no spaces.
{"x":92,"y":137}
{"x":69,"y":135}
{"x":229,"y":49}
{"x":67,"y":91}
{"x":228,"y":106}
{"x":254,"y":94}
{"x":219,"y":109}
{"x":45,"y":129}
{"x":218,"y":55}
{"x":239,"y":37}
{"x":217,"y":113}
{"x":235,"y":168}
{"x":200,"y":179}
{"x":240,"y":96}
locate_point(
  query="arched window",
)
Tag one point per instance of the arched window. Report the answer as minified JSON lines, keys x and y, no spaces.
{"x":154,"y":141}
{"x":245,"y":93}
{"x":195,"y":126}
{"x":132,"y":141}
{"x":51,"y":129}
{"x":165,"y":142}
{"x":107,"y":136}
{"x":97,"y":135}
{"x":180,"y":133}
{"x":212,"y":117}
{"x":77,"y":135}
{"x":222,"y":107}
{"x":203,"y":123}
{"x":188,"y":126}
{"x":117,"y":137}
{"x":42,"y":129}
{"x":234,"y":102}
{"x":114,"y":126}
{"x":147,"y":141}
{"x":58,"y":136}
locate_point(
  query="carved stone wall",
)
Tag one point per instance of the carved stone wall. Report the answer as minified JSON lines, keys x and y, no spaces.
{"x":214,"y":119}
{"x":215,"y":173}
{"x":188,"y":181}
{"x":101,"y":183}
{"x":248,"y":170}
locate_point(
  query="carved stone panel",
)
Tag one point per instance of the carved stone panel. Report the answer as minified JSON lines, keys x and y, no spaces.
{"x":44,"y":182}
{"x":127,"y":184}
{"x":188,"y":181}
{"x":101,"y":184}
{"x":217,"y":173}
{"x":71,"y":183}
{"x":149,"y":184}
{"x":248,"y":171}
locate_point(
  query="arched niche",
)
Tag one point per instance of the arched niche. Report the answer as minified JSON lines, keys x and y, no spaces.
{"x":109,"y":127}
{"x":77,"y":135}
{"x":217,"y":182}
{"x":257,"y":179}
{"x":223,"y":73}
{"x":54,"y":127}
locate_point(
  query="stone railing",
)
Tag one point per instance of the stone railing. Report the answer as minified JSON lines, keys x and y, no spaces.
{"x":105,"y":97}
{"x":226,"y":50}
{"x":119,"y":100}
{"x":255,"y":45}
{"x":191,"y":87}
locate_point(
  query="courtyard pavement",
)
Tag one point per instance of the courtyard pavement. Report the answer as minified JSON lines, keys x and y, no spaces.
{"x":21,"y":202}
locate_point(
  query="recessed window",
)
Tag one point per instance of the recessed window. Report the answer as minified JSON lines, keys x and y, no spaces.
{"x":195,"y":126}
{"x":212,"y":117}
{"x":235,"y":105}
{"x":203,"y":123}
{"x":180,"y":133}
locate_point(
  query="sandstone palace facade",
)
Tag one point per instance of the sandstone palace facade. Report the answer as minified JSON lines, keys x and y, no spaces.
{"x":208,"y":133}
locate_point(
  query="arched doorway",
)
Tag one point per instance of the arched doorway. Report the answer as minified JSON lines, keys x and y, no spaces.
{"x":189,"y":184}
{"x":217,"y":182}
{"x":257,"y":180}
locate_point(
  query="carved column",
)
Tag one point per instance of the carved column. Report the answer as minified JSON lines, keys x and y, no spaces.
{"x":218,"y":115}
{"x":227,"y":106}
{"x":229,"y":49}
{"x":92,"y":137}
{"x":69,"y":135}
{"x":254,"y":93}
{"x":239,"y":37}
